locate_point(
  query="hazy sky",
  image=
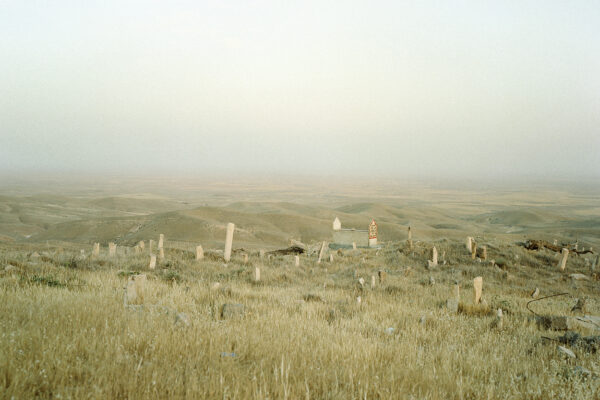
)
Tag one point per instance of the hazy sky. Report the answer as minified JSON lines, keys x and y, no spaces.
{"x":388,"y":87}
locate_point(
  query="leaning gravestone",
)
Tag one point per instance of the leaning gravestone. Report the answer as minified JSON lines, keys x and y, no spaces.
{"x":199,"y":253}
{"x":228,"y":241}
{"x":161,"y":253}
{"x":321,"y":252}
{"x":373,"y":283}
{"x":478,"y":287}
{"x":563,"y":261}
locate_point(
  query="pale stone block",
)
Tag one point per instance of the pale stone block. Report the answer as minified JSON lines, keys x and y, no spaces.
{"x":161,"y":240}
{"x":373,"y":282}
{"x":434,"y":256}
{"x":199,"y":253}
{"x":161,"y":253}
{"x":484,"y":253}
{"x":331,"y":258}
{"x":353,"y":245}
{"x":245,"y":258}
{"x":337,"y":225}
{"x":297,"y":261}
{"x":469,"y":243}
{"x":474,"y":251}
{"x":152,"y":262}
{"x":229,"y":241}
{"x":112,"y":249}
{"x":478,"y":288}
{"x":256,"y":274}
{"x":563,"y":261}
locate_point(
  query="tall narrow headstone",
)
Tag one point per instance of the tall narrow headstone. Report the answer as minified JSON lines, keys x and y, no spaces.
{"x":563,"y":261}
{"x":373,"y":282}
{"x":469,"y":243}
{"x":297,"y":261}
{"x":161,"y":240}
{"x":473,"y":250}
{"x":457,"y":291}
{"x":555,"y":242}
{"x":96,"y":251}
{"x":372,"y":233}
{"x":322,"y":252}
{"x":112,"y":249}
{"x":229,"y":241}
{"x":256,"y":274}
{"x":199,"y":253}
{"x":434,"y":256}
{"x":409,"y":234}
{"x":161,"y":253}
{"x":484,"y":253}
{"x":152,"y":262}
{"x":478,"y":287}
{"x":353,"y":245}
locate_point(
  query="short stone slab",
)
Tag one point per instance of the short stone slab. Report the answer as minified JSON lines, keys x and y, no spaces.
{"x":452,"y":305}
{"x":566,"y":352}
{"x":232,"y":310}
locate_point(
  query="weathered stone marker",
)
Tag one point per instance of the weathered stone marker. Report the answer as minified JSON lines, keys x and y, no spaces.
{"x":484,"y":253}
{"x":353,"y":245}
{"x":142,"y":244}
{"x":135,"y":289}
{"x":229,"y":241}
{"x":331,"y":258}
{"x":563,"y":261}
{"x":474,"y":251}
{"x":297,"y":261}
{"x":199,"y":253}
{"x":152,"y":262}
{"x":457,"y":291}
{"x":499,"y":318}
{"x":469,"y":243}
{"x":161,"y":253}
{"x":382,"y":276}
{"x":434,"y":256}
{"x":322,"y":252}
{"x":112,"y":249}
{"x":256,"y":274}
{"x":161,"y":240}
{"x":96,"y":251}
{"x":373,"y":283}
{"x":372,"y":233}
{"x":478,"y":287}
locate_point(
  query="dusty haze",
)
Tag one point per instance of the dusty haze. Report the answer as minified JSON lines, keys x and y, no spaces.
{"x":500,"y":90}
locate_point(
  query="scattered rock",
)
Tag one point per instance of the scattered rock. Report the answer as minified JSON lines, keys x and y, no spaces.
{"x":579,"y":277}
{"x":182,"y":319}
{"x":566,"y":352}
{"x":535,"y":293}
{"x":389,"y":331}
{"x":10,"y":268}
{"x":215,"y":286}
{"x":232,"y":310}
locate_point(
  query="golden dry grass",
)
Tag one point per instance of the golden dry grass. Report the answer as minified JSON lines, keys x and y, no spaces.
{"x":66,"y":334}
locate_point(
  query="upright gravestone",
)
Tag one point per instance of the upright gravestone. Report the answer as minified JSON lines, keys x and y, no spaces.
{"x":563,"y":261}
{"x":229,"y":241}
{"x":112,"y":249}
{"x":372,"y":233}
{"x":434,"y":256}
{"x":478,"y":287}
{"x":256,"y":274}
{"x":382,"y":275}
{"x":473,"y":250}
{"x":373,"y":283}
{"x":353,"y":245}
{"x":331,"y":258}
{"x":409,"y":234}
{"x":161,"y":253}
{"x":297,"y":261}
{"x":484,"y":253}
{"x":199,"y":253}
{"x":469,"y":243}
{"x":152,"y":262}
{"x":322,"y":252}
{"x":96,"y":250}
{"x":457,"y":291}
{"x":142,"y":245}
{"x":161,"y":240}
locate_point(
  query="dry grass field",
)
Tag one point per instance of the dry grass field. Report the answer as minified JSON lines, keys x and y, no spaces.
{"x":298,"y":332}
